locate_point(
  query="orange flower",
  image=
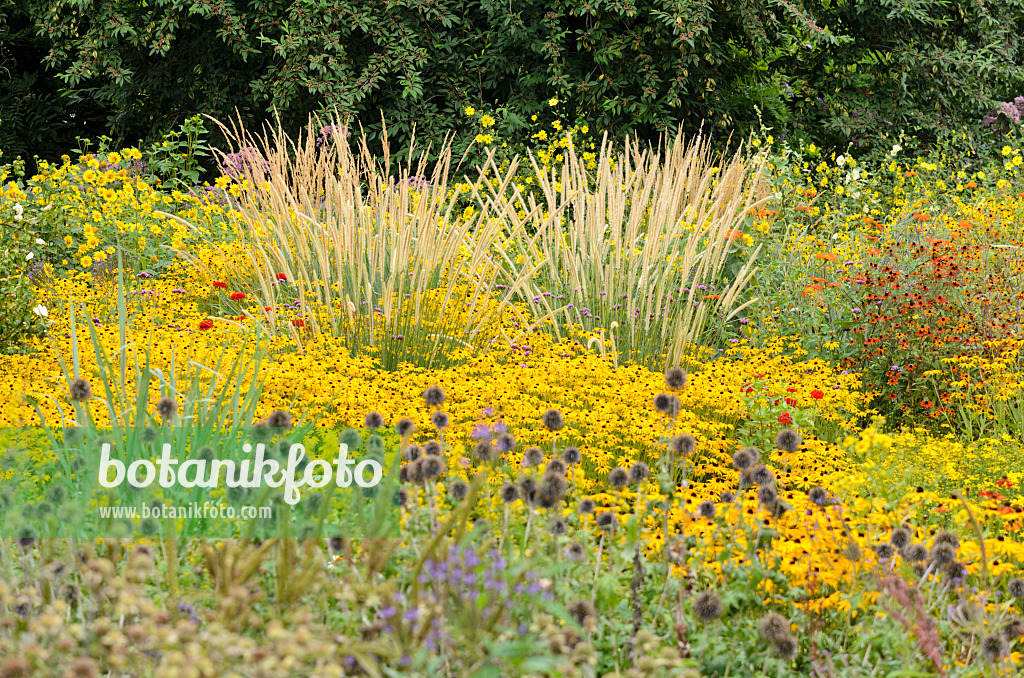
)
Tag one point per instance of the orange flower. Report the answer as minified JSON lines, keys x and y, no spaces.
{"x":812,"y":290}
{"x":873,"y":251}
{"x":733,"y":234}
{"x":971,"y":184}
{"x":826,"y":257}
{"x":818,"y":280}
{"x":803,"y":208}
{"x":965,"y":224}
{"x":912,"y":174}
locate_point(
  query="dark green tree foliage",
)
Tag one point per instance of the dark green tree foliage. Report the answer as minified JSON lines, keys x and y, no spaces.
{"x":826,"y":69}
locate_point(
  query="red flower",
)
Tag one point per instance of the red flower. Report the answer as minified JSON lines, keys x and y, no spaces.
{"x":298,"y":322}
{"x":220,"y":283}
{"x":237,"y":296}
{"x":790,"y":402}
{"x":785,"y":419}
{"x":206,"y":324}
{"x":791,"y":390}
{"x":282,"y":276}
{"x":1004,"y":482}
{"x":817,"y":395}
{"x":241,"y":317}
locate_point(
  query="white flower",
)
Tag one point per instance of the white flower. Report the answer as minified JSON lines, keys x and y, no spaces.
{"x":41,"y":311}
{"x":896,"y":148}
{"x":40,"y":241}
{"x":841,"y":160}
{"x":29,"y":256}
{"x":18,"y":209}
{"x":855,"y":175}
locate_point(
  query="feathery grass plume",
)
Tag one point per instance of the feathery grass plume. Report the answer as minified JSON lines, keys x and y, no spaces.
{"x":508,"y":493}
{"x":373,"y":420}
{"x":439,"y":419}
{"x":587,"y":507}
{"x":413,"y":452}
{"x":80,"y":390}
{"x":708,"y":606}
{"x":727,"y":497}
{"x":555,"y":466}
{"x":675,"y":378}
{"x":767,"y":495}
{"x":706,"y":509}
{"x":505,"y":442}
{"x":558,"y":527}
{"x":884,"y":551}
{"x":683,"y":445}
{"x":618,"y":477}
{"x":571,"y":456}
{"x":993,"y":647}
{"x":914,"y":553}
{"x":773,"y":627}
{"x":533,"y":456}
{"x":575,"y":551}
{"x":432,"y":448}
{"x":434,"y":396}
{"x":553,"y":420}
{"x":582,"y":611}
{"x":900,"y":537}
{"x":167,"y":408}
{"x":743,"y":459}
{"x":817,"y":495}
{"x":405,"y":426}
{"x":432,"y":466}
{"x":458,"y":489}
{"x":947,"y":537}
{"x":279,"y":419}
{"x":1015,"y":587}
{"x":788,"y":440}
{"x":942,"y":554}
{"x":639,"y":472}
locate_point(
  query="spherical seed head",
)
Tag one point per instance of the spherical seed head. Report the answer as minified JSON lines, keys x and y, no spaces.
{"x":706,"y":509}
{"x":373,"y":420}
{"x":851,"y":551}
{"x":279,"y":419}
{"x":413,"y":452}
{"x":743,"y":459}
{"x":509,"y":493}
{"x":993,"y":647}
{"x":885,"y":551}
{"x":817,"y":495}
{"x":955,"y":570}
{"x":575,"y":551}
{"x":947,"y":537}
{"x":403,"y":497}
{"x":580,"y":610}
{"x":662,"y":402}
{"x":571,"y":456}
{"x":546,"y":496}
{"x":533,"y":456}
{"x":553,"y":420}
{"x":557,"y":483}
{"x":555,"y":466}
{"x":786,"y":648}
{"x":914,"y":553}
{"x":167,"y":408}
{"x":403,"y":474}
{"x":675,"y":378}
{"x":746,"y":478}
{"x":432,"y":466}
{"x":432,"y":447}
{"x":558,"y":527}
{"x":684,"y":445}
{"x":505,"y":442}
{"x":639,"y":472}
{"x":606,"y":521}
{"x":727,"y":497}
{"x":788,"y":440}
{"x":587,"y":506}
{"x":762,"y":475}
{"x":942,"y":554}
{"x":80,"y":389}
{"x":1013,"y":629}
{"x":773,"y":627}
{"x":405,"y":426}
{"x":433,"y":396}
{"x":527,"y":488}
{"x":439,"y":419}
{"x":416,"y":470}
{"x":618,"y":477}
{"x":458,"y":489}
{"x":708,"y":605}
{"x":767,"y":494}
{"x":484,"y":451}
{"x":1015,"y":587}
{"x":900,"y":537}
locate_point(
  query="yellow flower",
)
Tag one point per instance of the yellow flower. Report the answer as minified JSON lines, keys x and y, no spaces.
{"x":553,"y":101}
{"x":68,"y":240}
{"x":486,"y":120}
{"x":86,"y":262}
{"x":1007,"y":150}
{"x":113,"y":159}
{"x":470,"y":110}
